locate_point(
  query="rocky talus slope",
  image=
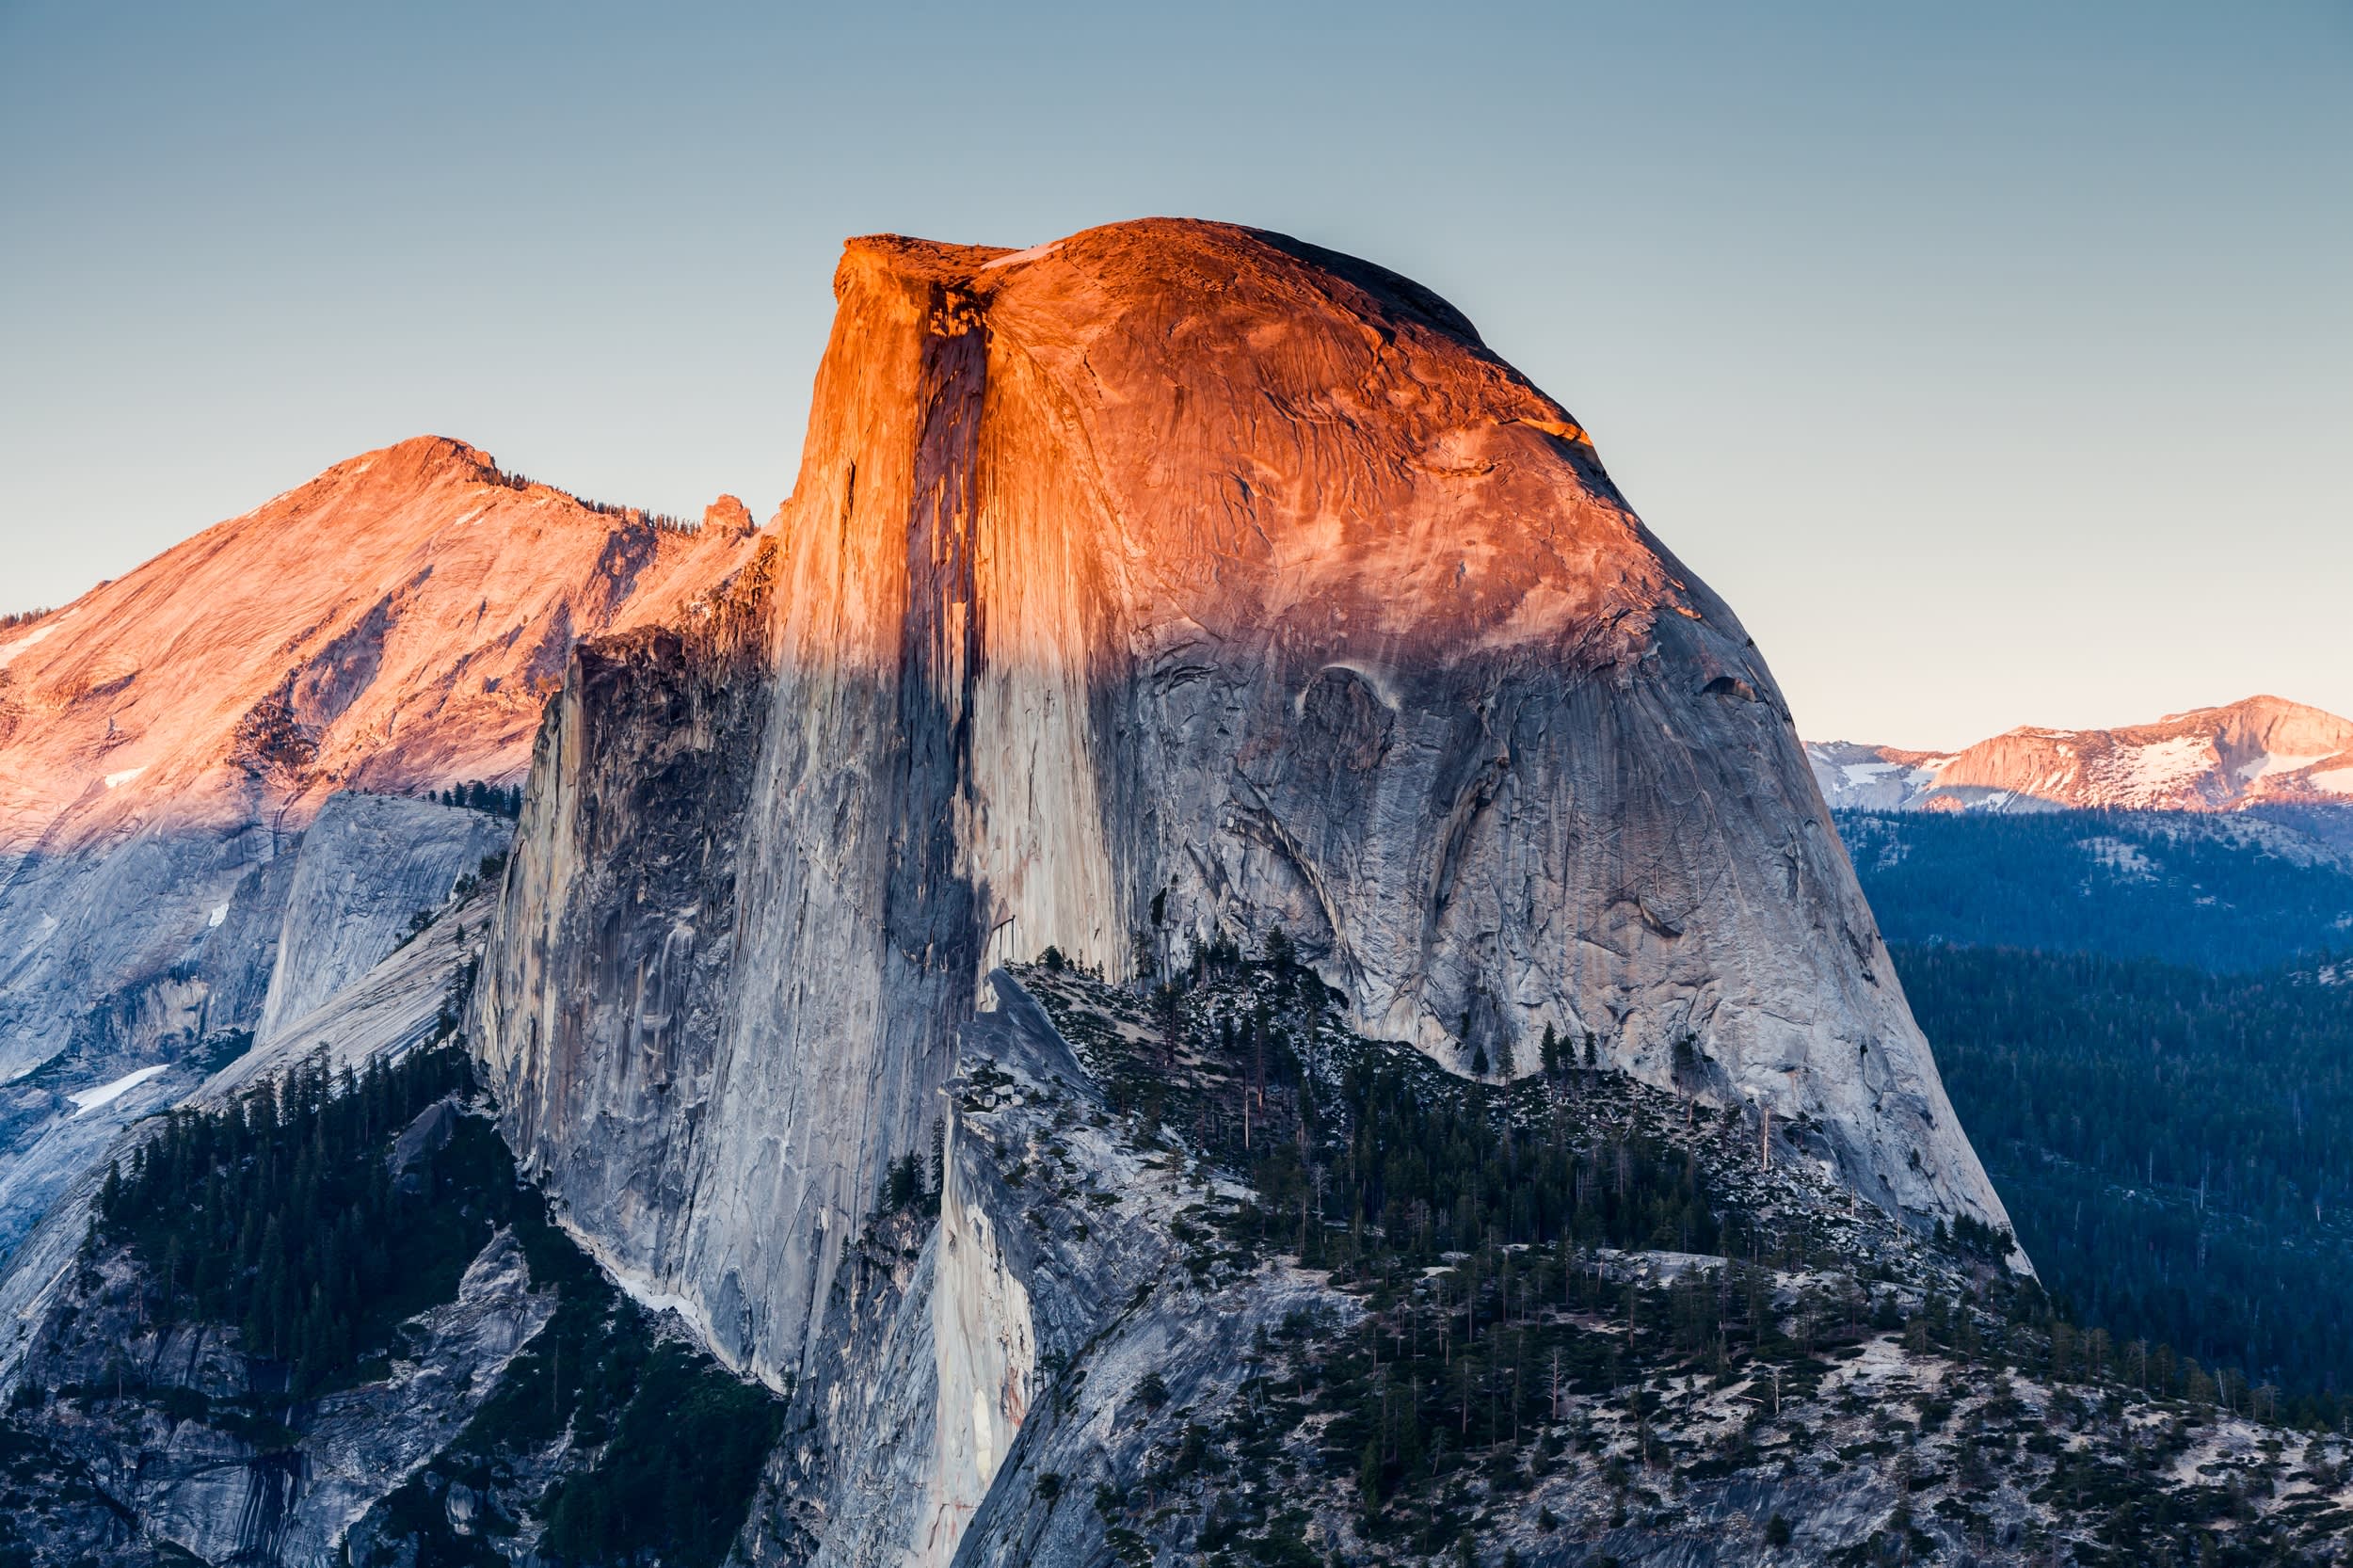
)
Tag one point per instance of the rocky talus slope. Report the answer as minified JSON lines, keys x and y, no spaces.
{"x":1172,"y":583}
{"x":2262,"y":752}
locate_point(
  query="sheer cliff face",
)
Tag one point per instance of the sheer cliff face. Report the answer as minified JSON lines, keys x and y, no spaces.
{"x":1169,"y":582}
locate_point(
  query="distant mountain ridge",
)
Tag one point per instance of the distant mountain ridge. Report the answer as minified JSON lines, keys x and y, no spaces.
{"x":2262,"y":751}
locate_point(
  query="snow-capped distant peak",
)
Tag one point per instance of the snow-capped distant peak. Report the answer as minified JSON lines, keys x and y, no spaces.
{"x":2260,"y":751}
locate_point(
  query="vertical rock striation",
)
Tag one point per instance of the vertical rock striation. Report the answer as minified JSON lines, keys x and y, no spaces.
{"x":1171,"y":582}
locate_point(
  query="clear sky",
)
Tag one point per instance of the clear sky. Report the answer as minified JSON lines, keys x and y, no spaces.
{"x":1995,"y":362}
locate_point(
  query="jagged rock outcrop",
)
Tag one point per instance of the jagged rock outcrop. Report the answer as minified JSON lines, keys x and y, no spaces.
{"x":1168,"y":584}
{"x":2262,"y":752}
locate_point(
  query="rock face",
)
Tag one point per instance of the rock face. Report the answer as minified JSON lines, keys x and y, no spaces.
{"x":343,"y":896}
{"x":52,"y":1174}
{"x":368,"y":865}
{"x":1164,"y":586}
{"x":393,"y":624}
{"x":2262,"y":752}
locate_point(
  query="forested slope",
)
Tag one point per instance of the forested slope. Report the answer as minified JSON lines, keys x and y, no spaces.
{"x":2239,"y":892}
{"x":2175,"y":1147}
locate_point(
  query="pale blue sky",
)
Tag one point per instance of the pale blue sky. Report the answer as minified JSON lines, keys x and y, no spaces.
{"x":1996,"y":362}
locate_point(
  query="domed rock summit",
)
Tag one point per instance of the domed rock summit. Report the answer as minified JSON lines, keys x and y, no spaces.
{"x":1168,"y":589}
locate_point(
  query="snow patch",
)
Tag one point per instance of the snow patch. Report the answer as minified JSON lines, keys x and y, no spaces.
{"x":1035,"y":253}
{"x":117,"y":780}
{"x":2337,"y":782}
{"x":2147,"y":775}
{"x":2272,"y":761}
{"x":221,"y":913}
{"x":35,"y":635}
{"x":87,"y":1100}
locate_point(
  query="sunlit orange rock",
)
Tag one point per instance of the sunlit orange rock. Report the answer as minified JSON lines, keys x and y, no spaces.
{"x":1164,"y":584}
{"x":2261,"y":751}
{"x":393,"y":625}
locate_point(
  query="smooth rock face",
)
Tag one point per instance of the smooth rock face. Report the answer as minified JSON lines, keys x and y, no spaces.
{"x":2262,"y":752}
{"x":367,"y":865}
{"x":1167,"y":583}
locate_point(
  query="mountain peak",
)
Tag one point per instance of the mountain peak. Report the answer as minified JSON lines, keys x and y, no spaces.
{"x":1172,"y":587}
{"x":417,"y":461}
{"x":2259,"y":750}
{"x":407,"y":611}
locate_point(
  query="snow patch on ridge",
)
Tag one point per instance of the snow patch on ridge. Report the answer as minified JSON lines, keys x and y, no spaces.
{"x":87,"y":1100}
{"x":1035,"y":253}
{"x":2142,"y":775}
{"x":36,"y":635}
{"x":2272,"y":761}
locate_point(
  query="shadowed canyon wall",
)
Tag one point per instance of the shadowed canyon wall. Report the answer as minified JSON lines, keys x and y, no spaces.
{"x":1169,"y":582}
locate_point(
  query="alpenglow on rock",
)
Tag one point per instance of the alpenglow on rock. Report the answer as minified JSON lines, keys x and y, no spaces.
{"x":394,"y":624}
{"x":1168,"y":584}
{"x":2264,"y":751}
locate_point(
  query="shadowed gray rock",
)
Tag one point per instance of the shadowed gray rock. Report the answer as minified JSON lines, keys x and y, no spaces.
{"x":367,"y":865}
{"x":1166,"y":585}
